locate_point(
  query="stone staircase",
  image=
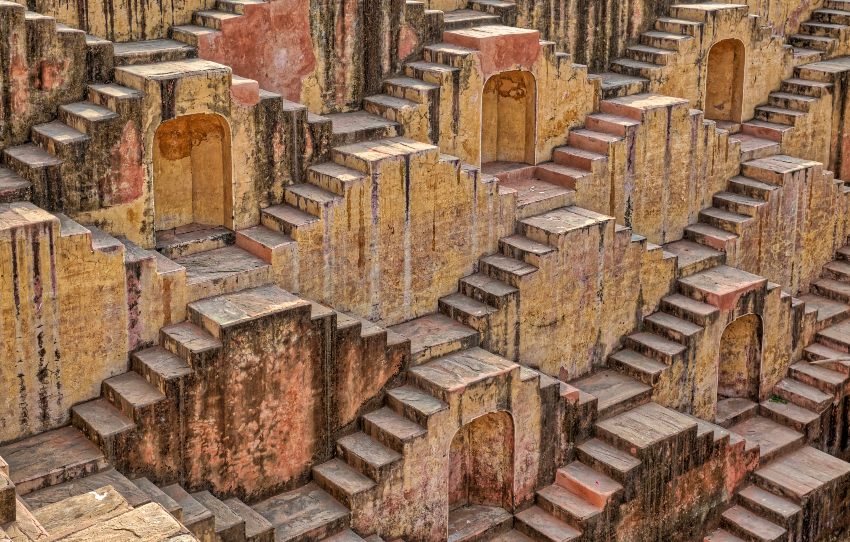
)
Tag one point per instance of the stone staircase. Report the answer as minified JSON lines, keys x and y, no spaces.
{"x":68,"y":160}
{"x":825,"y":35}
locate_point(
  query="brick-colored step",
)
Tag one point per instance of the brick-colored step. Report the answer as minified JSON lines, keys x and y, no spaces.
{"x":743,"y":522}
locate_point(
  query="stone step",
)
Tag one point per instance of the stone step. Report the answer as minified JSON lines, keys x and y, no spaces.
{"x":86,"y":117}
{"x":555,"y":227}
{"x":843,"y":253}
{"x":788,"y":100}
{"x":617,"y":125}
{"x":560,"y":175}
{"x":387,"y":106}
{"x":665,"y":40}
{"x":593,"y":486}
{"x":435,"y":335}
{"x":806,"y":87}
{"x":778,"y":169}
{"x":286,"y":218}
{"x":796,"y":417}
{"x":51,"y":458}
{"x":155,"y":494}
{"x":766,"y":130}
{"x":753,"y":147}
{"x":722,"y":535}
{"x":689,"y":309}
{"x":544,"y":527}
{"x":151,"y":51}
{"x":636,"y":68}
{"x":448,"y":54}
{"x":334,"y":178}
{"x":79,"y":486}
{"x":213,"y":19}
{"x":367,"y":455}
{"x":511,"y":536}
{"x":803,"y":395}
{"x":468,"y":18}
{"x":738,"y":203}
{"x":477,"y":522}
{"x":615,"y":391}
{"x":39,"y":168}
{"x":223,"y":271}
{"x":115,"y":97}
{"x":196,"y":517}
{"x":821,"y":29}
{"x":59,"y":139}
{"x":134,"y":396}
{"x":506,"y":269}
{"x":833,"y":289}
{"x":391,"y":429}
{"x":488,"y":290}
{"x":77,"y":513}
{"x":579,"y":158}
{"x":724,"y":220}
{"x":310,"y":198}
{"x":359,"y":126}
{"x":228,"y":525}
{"x":656,"y":347}
{"x":801,"y":474}
{"x":592,"y":141}
{"x":567,"y":506}
{"x":637,"y":366}
{"x":743,"y":522}
{"x":649,"y":430}
{"x":345,"y":536}
{"x":163,"y":369}
{"x":693,"y":257}
{"x":752,"y":188}
{"x":450,"y":375}
{"x":13,"y":187}
{"x":618,"y":85}
{"x":822,"y":378}
{"x":672,"y":327}
{"x":772,"y":438}
{"x":257,"y":528}
{"x":651,"y":54}
{"x":237,"y":6}
{"x":535,"y":196}
{"x":720,"y":286}
{"x":779,"y":115}
{"x":467,"y":311}
{"x":306,"y":513}
{"x":837,"y":270}
{"x":102,"y":423}
{"x":678,"y":26}
{"x":190,"y":343}
{"x":828,"y":357}
{"x":415,"y":404}
{"x":192,"y":34}
{"x":834,"y":16}
{"x":409,"y":88}
{"x":825,"y":44}
{"x":192,"y":239}
{"x":734,"y":410}
{"x":771,"y":506}
{"x":621,"y":466}
{"x":344,"y":483}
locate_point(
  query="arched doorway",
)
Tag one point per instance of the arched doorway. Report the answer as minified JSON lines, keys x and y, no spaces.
{"x":508,"y":118}
{"x":192,"y":172}
{"x":739,"y":363}
{"x":724,"y":85}
{"x":481,"y":459}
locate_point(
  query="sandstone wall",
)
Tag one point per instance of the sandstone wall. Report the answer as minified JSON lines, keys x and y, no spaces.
{"x":63,"y":313}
